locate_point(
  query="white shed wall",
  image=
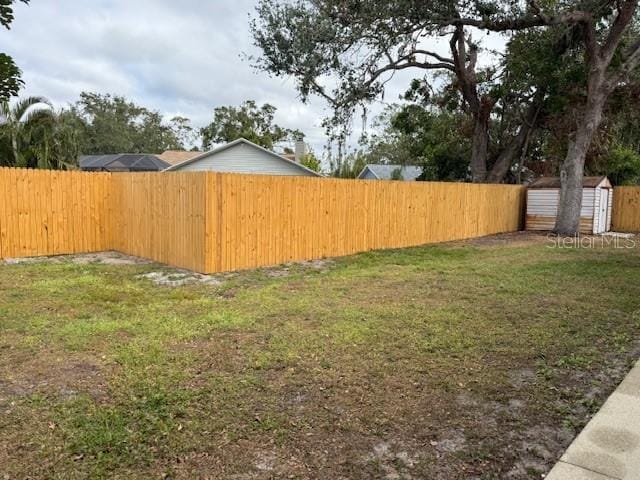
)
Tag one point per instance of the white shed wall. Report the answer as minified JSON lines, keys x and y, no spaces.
{"x":544,"y":202}
{"x":596,"y":207}
{"x":542,"y":208}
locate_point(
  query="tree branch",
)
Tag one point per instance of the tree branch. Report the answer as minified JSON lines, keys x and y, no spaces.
{"x":465,"y":77}
{"x":625,"y":15}
{"x":401,"y":63}
{"x":434,"y":55}
{"x":519,"y":23}
{"x":631,"y":63}
{"x":407,"y":61}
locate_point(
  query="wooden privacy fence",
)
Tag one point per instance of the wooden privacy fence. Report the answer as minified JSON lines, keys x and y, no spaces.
{"x":263,"y":220}
{"x":49,"y":212}
{"x":626,"y":209}
{"x":214,"y":222}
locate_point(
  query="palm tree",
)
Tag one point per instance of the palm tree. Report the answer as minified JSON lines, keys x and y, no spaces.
{"x":16,"y":124}
{"x":55,"y":140}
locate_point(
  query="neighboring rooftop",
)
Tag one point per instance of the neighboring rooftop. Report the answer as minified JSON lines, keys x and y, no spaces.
{"x":122,"y":162}
{"x":385,"y":172}
{"x":243,"y":156}
{"x":174,"y":157}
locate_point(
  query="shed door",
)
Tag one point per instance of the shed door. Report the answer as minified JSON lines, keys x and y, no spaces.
{"x":603,"y":210}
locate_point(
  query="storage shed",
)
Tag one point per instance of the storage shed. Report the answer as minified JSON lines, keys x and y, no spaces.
{"x":543,"y":197}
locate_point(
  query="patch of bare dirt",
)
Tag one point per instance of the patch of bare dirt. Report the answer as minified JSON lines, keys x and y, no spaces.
{"x":513,"y":239}
{"x":178,"y":278}
{"x":393,"y":459}
{"x":287,"y":269}
{"x":524,"y":238}
{"x":101,"y":258}
{"x":451,"y":441}
{"x":522,"y":377}
{"x":48,"y":374}
{"x":539,"y":447}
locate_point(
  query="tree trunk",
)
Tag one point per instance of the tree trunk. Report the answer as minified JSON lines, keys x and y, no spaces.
{"x":599,"y":87}
{"x":507,"y":155}
{"x":514,"y":148}
{"x":480,"y":106}
{"x":14,"y":149}
{"x":480,"y":141}
{"x":570,"y":203}
{"x":479,"y":148}
{"x":572,"y":170}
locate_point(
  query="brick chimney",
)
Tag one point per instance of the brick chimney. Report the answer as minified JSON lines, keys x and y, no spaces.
{"x":300,"y":149}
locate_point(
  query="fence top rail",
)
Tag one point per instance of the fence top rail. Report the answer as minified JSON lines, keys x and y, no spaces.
{"x":284,"y":178}
{"x":47,"y":170}
{"x":292,"y":178}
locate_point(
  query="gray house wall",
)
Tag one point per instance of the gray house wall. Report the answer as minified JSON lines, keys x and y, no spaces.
{"x":244,"y":158}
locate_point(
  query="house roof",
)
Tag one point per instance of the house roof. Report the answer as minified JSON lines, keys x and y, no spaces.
{"x":174,"y":157}
{"x":240,"y":141}
{"x":587,"y":182}
{"x":134,"y":162}
{"x":385,"y":172}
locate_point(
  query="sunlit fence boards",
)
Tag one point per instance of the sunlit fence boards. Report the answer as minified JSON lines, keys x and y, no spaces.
{"x":262,"y":220}
{"x":626,"y":209}
{"x":46,"y":212}
{"x":160,"y":216}
{"x":214,"y":222}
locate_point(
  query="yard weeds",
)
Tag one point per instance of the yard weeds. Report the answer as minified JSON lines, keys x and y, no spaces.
{"x":466,"y":360}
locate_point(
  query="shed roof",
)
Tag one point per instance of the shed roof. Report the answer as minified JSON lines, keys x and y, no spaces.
{"x":385,"y":172}
{"x":240,"y":141}
{"x":587,"y":182}
{"x":133,"y":162}
{"x":174,"y":157}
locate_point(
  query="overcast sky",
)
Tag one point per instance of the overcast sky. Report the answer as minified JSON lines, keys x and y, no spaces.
{"x":178,"y":57}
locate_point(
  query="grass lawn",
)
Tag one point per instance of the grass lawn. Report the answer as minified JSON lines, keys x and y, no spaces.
{"x":467,"y":360}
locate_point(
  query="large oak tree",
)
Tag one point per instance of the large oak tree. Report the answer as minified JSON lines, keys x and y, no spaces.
{"x":346,"y":51}
{"x":611,"y":53}
{"x":358,"y":44}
